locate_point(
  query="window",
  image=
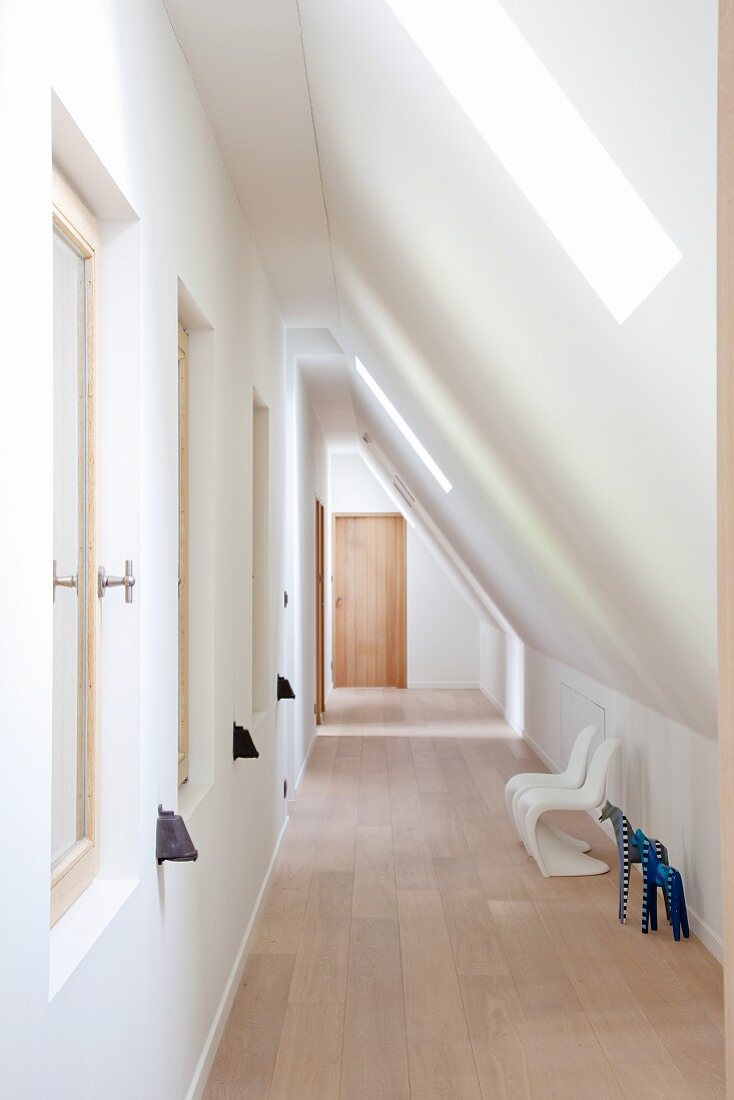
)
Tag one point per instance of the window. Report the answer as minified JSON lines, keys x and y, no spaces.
{"x":73,"y":826}
{"x":543,"y":142}
{"x":405,"y":428}
{"x":183,"y":555}
{"x":260,"y":578}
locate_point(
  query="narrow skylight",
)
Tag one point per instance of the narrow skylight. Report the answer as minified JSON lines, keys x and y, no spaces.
{"x":397,"y":419}
{"x":545,"y":145}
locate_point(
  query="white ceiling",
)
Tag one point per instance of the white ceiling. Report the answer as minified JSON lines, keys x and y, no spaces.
{"x":327,"y":382}
{"x":582,"y":452}
{"x":248,"y":66}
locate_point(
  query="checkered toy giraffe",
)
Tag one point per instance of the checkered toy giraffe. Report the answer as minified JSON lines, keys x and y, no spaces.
{"x":629,"y":853}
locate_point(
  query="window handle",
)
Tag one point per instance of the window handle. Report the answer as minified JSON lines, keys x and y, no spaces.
{"x":127,"y":582}
{"x":63,"y":582}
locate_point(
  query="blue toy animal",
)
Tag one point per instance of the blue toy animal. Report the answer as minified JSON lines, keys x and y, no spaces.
{"x":629,"y":853}
{"x":658,"y":874}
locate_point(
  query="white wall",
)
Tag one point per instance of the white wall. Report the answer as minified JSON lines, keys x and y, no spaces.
{"x":120,"y":998}
{"x":443,"y":630}
{"x":502,"y":672}
{"x":309,"y":480}
{"x":666,"y":782}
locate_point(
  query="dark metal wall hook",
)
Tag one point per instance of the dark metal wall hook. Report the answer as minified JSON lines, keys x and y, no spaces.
{"x":172,"y":840}
{"x":243,"y":747}
{"x":285,"y":691}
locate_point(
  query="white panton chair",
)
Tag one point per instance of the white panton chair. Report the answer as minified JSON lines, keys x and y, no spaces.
{"x":570,"y":779}
{"x":549,"y":848}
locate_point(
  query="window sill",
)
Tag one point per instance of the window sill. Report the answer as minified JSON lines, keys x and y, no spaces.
{"x":73,"y":936}
{"x":190,"y":797}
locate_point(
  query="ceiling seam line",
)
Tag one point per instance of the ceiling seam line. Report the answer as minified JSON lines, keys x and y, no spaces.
{"x":227,"y":172}
{"x":318,"y":161}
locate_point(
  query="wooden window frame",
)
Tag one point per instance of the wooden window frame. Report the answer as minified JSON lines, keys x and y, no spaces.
{"x":183,"y":555}
{"x":261,"y":686}
{"x":75,"y":872}
{"x":725,"y":507}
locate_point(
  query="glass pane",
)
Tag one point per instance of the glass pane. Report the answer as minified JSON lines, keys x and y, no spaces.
{"x":68,"y":801}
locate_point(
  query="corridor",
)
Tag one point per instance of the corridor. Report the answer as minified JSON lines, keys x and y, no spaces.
{"x":407,"y":946}
{"x":366,"y":440}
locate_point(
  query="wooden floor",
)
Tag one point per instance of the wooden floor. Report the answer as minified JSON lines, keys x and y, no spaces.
{"x":409,"y":948}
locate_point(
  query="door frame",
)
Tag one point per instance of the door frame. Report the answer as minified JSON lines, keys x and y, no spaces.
{"x":725,"y":509}
{"x":183,"y":555}
{"x":320,"y":704}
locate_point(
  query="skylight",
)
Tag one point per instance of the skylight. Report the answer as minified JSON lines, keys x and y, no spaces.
{"x":545,"y":145}
{"x":397,"y":419}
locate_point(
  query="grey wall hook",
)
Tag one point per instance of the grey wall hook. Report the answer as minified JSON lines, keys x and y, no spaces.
{"x":128,"y":581}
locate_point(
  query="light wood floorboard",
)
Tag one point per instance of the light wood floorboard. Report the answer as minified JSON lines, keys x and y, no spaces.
{"x":409,"y":949}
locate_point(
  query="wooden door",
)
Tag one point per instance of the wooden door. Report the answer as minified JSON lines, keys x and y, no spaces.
{"x":369,"y":601}
{"x":320,"y":693}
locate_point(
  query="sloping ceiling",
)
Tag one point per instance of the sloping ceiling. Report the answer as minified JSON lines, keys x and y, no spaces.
{"x":246,"y":59}
{"x":328,"y":387}
{"x":582,"y":452}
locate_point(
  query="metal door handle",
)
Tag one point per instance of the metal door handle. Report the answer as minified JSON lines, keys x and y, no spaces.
{"x":63,"y":582}
{"x":127,"y":582}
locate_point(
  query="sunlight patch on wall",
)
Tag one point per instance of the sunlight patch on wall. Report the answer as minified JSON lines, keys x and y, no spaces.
{"x":408,"y":433}
{"x":527,"y":523}
{"x":543,"y":142}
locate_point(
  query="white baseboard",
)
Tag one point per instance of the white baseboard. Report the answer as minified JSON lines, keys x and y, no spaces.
{"x":450,"y":685}
{"x":501,"y":708}
{"x":550,"y":764}
{"x":204,"y":1065}
{"x":703,"y":931}
{"x":488,"y":695}
{"x":306,"y":759}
